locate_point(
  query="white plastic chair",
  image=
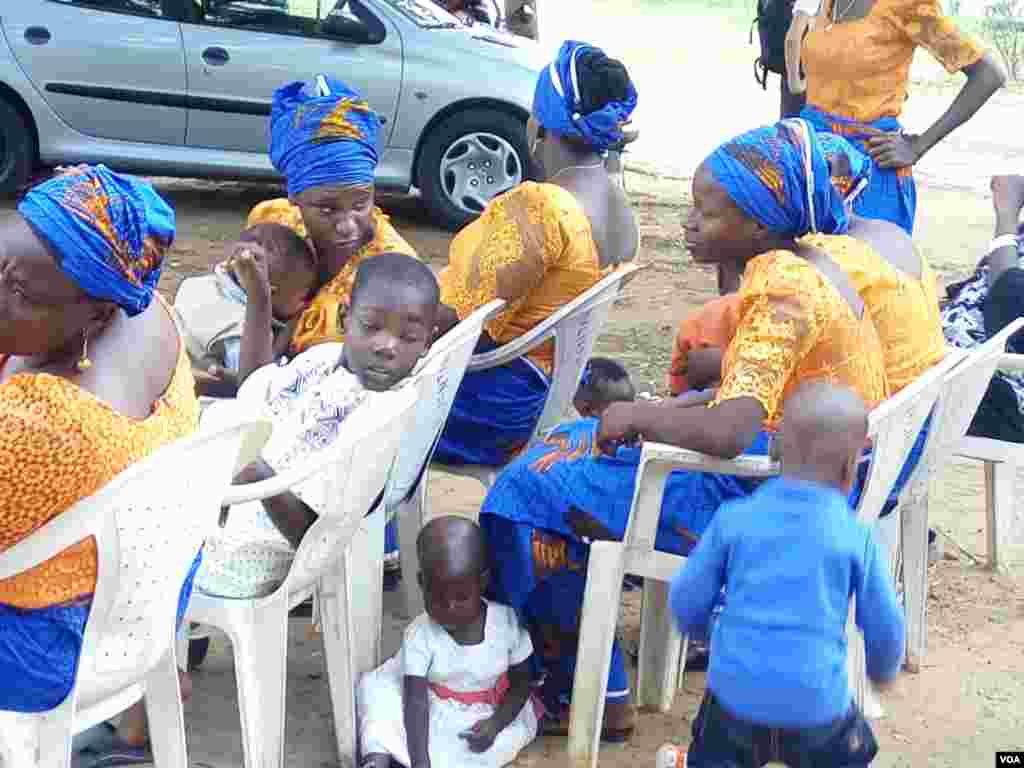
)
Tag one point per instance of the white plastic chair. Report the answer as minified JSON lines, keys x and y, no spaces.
{"x":575,"y":327}
{"x":893,"y":428}
{"x":962,"y":391}
{"x":346,"y":481}
{"x":148,"y":524}
{"x":1004,"y":520}
{"x":436,"y":382}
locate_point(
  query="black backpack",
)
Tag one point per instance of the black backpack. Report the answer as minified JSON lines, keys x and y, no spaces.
{"x":773,"y":20}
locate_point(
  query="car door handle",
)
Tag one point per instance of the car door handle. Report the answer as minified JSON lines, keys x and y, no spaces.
{"x":216,"y":56}
{"x":37,"y":35}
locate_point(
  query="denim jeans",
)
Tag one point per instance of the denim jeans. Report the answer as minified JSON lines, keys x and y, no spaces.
{"x":721,"y":740}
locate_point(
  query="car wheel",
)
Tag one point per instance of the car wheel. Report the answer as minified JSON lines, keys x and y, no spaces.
{"x":17,"y":150}
{"x":468,"y":160}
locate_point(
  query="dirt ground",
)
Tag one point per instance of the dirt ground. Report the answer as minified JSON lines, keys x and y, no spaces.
{"x":967,"y":701}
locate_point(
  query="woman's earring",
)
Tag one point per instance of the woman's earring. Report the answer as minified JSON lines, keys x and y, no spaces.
{"x":84,"y":363}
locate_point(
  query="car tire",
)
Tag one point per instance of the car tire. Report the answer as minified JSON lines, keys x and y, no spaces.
{"x":465,"y":142}
{"x":17,"y":150}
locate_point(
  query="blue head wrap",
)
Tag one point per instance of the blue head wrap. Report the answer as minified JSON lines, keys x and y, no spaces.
{"x":850,"y":168}
{"x":779,"y":176}
{"x":559,"y":105}
{"x":328,"y":136}
{"x":109,"y":232}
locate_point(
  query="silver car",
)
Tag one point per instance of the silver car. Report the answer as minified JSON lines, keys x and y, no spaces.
{"x":183,"y":88}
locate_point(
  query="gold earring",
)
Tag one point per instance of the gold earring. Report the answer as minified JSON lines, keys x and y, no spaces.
{"x":84,"y":363}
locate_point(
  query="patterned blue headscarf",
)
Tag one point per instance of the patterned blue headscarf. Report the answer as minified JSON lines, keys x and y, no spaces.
{"x":850,"y":168}
{"x":324,"y":133}
{"x":779,"y":176}
{"x":558,"y":104}
{"x":109,"y":232}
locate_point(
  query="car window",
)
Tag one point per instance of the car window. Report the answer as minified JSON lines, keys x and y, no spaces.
{"x":425,"y":13}
{"x":311,"y":18}
{"x":154,"y":8}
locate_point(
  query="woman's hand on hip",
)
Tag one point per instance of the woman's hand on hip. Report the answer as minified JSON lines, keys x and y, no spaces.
{"x":893,"y":150}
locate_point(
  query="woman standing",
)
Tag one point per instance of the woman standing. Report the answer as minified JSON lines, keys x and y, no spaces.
{"x":857,"y":62}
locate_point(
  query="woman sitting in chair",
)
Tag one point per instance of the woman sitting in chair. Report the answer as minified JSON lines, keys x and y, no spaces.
{"x":93,"y":377}
{"x":799,"y":319}
{"x":323,"y":139}
{"x":538,"y":247}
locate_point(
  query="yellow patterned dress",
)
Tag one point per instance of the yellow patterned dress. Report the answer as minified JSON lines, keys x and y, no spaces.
{"x":324,"y":319}
{"x":58,"y":445}
{"x":905,"y":310}
{"x":534,"y":248}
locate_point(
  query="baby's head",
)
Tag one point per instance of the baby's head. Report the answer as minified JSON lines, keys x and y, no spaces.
{"x":604,"y":382}
{"x":454,"y":568}
{"x":391,"y":319}
{"x":291,"y":268}
{"x":824,"y":428}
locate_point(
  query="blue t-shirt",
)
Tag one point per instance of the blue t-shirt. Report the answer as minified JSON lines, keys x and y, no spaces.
{"x":790,"y":556}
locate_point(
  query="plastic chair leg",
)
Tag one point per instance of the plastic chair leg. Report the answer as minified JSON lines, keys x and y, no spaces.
{"x":339,"y":655}
{"x":914,"y":550}
{"x":594,"y":653}
{"x":411,"y":515}
{"x":662,"y":650}
{"x":863,"y":693}
{"x":259,"y":639}
{"x":166,"y":720}
{"x":1000,"y":481}
{"x":20,"y":742}
{"x":364,"y":566}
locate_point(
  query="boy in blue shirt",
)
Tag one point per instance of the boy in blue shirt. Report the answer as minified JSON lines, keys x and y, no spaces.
{"x":791,"y":556}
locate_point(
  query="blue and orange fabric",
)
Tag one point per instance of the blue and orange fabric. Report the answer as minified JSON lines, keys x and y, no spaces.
{"x":325,"y":134}
{"x":858,"y":73}
{"x":60,"y":444}
{"x":322,"y":134}
{"x":534,"y":248}
{"x":110,"y":230}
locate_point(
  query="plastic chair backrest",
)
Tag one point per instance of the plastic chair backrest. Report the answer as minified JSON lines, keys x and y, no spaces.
{"x":966,"y":386}
{"x":575,"y":327}
{"x":893,"y":428}
{"x":436,"y":382}
{"x":351,"y":481}
{"x":163,"y":508}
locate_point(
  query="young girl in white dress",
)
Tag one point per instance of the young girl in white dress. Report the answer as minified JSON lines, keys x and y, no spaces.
{"x":457,"y":695}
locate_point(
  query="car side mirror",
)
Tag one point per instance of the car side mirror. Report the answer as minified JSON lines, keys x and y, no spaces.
{"x":352,"y":30}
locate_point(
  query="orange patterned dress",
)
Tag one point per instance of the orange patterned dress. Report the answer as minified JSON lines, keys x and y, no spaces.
{"x":860,"y":69}
{"x":795,"y":327}
{"x":60,"y":444}
{"x":324,"y":318}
